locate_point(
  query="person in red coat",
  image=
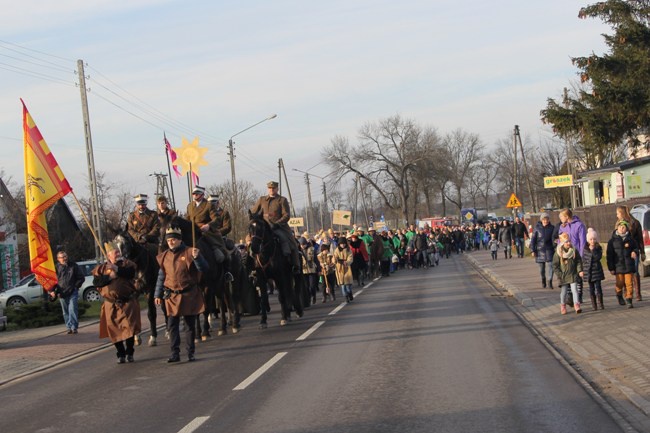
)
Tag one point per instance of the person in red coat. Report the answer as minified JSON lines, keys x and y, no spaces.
{"x":359,"y":258}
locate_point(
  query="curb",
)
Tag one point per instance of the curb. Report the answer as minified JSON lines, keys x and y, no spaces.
{"x":513,"y":291}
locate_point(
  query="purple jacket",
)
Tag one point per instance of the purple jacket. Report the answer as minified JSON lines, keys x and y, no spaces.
{"x":577,"y":233}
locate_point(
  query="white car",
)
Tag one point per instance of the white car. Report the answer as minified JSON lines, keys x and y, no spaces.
{"x":28,"y":290}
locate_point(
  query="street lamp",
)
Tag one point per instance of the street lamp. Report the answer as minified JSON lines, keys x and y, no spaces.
{"x":231,"y":153}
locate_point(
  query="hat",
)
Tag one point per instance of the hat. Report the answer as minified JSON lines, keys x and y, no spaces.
{"x":343,"y":240}
{"x":198,"y":190}
{"x":110,"y":246}
{"x":544,"y":215}
{"x":564,"y":237}
{"x":271,"y":184}
{"x":360,"y":229}
{"x":325,"y":246}
{"x":302,"y":241}
{"x":371,"y":229}
{"x":161,"y":198}
{"x":141,"y":198}
{"x":592,"y":234}
{"x":623,"y":223}
{"x":213,"y":198}
{"x":173,"y":232}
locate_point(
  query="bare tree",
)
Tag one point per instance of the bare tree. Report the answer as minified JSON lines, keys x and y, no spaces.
{"x":247,"y":195}
{"x":463,"y":153}
{"x":387,"y":153}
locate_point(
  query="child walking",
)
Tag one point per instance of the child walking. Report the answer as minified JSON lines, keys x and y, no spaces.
{"x":493,"y":245}
{"x":593,"y":268}
{"x":567,"y":266}
{"x":622,"y":251}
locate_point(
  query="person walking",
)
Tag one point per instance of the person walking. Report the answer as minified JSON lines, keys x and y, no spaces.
{"x":70,"y":278}
{"x":505,"y":238}
{"x":177,"y":287}
{"x":567,"y":266}
{"x":593,"y":268}
{"x":119,"y":317}
{"x":493,"y":245}
{"x":343,"y":259}
{"x":520,"y":233}
{"x":309,"y":267}
{"x":327,"y":266}
{"x":543,"y":248}
{"x":359,"y":259}
{"x":623,"y":213}
{"x":622,"y":251}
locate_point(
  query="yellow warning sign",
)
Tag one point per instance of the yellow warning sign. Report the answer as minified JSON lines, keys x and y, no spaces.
{"x":513,"y":201}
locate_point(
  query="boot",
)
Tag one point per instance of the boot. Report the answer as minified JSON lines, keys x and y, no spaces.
{"x":505,"y":253}
{"x":550,"y":284}
{"x":600,"y":302}
{"x":577,"y":307}
{"x":593,"y":303}
{"x":544,"y":283}
{"x":629,"y":303}
{"x":621,"y":301}
{"x":636,"y":284}
{"x":563,"y":308}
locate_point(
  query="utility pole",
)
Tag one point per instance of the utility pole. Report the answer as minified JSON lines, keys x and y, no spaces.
{"x":293,"y":210}
{"x":92,"y":177}
{"x":310,"y":210}
{"x":515,"y":175}
{"x":533,"y":198}
{"x":162,"y":187}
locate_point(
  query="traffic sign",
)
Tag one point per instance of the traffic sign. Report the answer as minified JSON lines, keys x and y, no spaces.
{"x":513,"y":201}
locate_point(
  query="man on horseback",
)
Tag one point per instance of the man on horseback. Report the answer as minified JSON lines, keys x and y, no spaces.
{"x":204,"y":216}
{"x":223,"y":224}
{"x":276,"y":212}
{"x":143,"y":224}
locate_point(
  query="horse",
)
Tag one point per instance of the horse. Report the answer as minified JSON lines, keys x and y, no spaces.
{"x":145,"y":277}
{"x":270,"y":266}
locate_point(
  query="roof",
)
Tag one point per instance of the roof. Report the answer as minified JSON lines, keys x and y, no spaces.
{"x":613,"y":168}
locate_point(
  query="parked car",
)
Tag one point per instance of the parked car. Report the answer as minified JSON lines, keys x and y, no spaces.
{"x":28,"y":290}
{"x":642,"y":213}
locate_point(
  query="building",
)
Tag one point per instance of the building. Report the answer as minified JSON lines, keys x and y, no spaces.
{"x":10,"y":217}
{"x":613,"y":183}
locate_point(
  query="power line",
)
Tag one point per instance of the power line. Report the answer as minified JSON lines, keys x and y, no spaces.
{"x":34,"y":51}
{"x":59,"y":68}
{"x":22,"y":71}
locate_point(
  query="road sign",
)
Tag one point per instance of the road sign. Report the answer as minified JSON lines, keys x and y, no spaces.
{"x":513,"y":201}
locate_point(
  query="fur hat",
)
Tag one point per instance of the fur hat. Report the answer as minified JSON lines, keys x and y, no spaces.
{"x":592,"y":234}
{"x":173,"y":232}
{"x":141,"y":198}
{"x":198,"y":190}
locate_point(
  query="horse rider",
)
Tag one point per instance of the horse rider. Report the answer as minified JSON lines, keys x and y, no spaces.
{"x":204,"y":216}
{"x":143,"y":224}
{"x":223,"y":224}
{"x":276,"y":212}
{"x":177,"y":287}
{"x":165,"y":217}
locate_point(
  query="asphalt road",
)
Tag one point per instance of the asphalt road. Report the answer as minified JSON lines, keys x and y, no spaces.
{"x":421,"y":351}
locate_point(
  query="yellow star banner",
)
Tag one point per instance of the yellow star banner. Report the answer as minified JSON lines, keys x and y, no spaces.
{"x":44,"y":185}
{"x":190,"y":156}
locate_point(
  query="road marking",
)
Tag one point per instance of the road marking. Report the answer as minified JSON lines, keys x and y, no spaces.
{"x":358,"y":292}
{"x":310,"y":331}
{"x":194,"y":424}
{"x":369,"y":284}
{"x":260,"y":371}
{"x":337,"y":309}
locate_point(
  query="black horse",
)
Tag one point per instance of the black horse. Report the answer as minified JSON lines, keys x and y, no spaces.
{"x":145,"y":277}
{"x":270,"y":266}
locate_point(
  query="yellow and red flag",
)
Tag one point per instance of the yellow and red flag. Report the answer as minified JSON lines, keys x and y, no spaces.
{"x":44,"y":185}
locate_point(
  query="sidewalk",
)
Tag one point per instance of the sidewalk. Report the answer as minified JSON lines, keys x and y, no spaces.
{"x":28,"y":351}
{"x":611,"y":342}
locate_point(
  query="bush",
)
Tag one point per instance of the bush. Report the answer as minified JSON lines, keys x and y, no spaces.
{"x":39,"y":314}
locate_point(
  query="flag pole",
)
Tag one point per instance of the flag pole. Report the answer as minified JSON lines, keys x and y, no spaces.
{"x":192,"y":208}
{"x":169,"y":169}
{"x":83,"y":214}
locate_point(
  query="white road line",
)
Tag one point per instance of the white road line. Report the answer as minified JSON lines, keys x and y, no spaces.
{"x":337,"y":309}
{"x":310,"y":331}
{"x":369,"y":284}
{"x":260,"y":371}
{"x":358,"y":292}
{"x":194,"y":424}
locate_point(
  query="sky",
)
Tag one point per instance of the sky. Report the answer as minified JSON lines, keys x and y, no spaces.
{"x":210,"y":69}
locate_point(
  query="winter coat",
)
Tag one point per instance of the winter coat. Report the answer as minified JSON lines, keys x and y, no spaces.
{"x":567,"y":270}
{"x":591,"y":265}
{"x":577,"y":233}
{"x":119,"y":318}
{"x":519,"y":230}
{"x":177,"y":274}
{"x":343,"y":260}
{"x":69,"y":277}
{"x":309,"y":264}
{"x":505,"y":235}
{"x":541,"y":242}
{"x":144,"y":226}
{"x":493,"y":245}
{"x":420,"y":242}
{"x":619,"y":250}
